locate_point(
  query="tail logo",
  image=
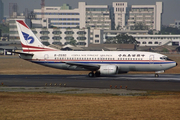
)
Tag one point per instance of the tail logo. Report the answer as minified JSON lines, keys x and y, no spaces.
{"x":28,"y":38}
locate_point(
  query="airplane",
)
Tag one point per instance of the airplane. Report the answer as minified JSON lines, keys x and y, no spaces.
{"x":99,"y":63}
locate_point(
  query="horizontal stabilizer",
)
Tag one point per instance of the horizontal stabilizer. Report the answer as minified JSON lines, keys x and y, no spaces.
{"x":22,"y":53}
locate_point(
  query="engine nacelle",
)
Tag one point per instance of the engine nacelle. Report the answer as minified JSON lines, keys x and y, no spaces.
{"x":108,"y":70}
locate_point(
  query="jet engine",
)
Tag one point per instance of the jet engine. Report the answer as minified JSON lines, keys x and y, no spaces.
{"x":108,"y":70}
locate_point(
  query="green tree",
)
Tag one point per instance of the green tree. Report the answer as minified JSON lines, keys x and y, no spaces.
{"x":125,"y":39}
{"x":169,"y":30}
{"x":4,"y":28}
{"x":121,"y":39}
{"x":118,"y":27}
{"x":139,"y":26}
{"x":72,"y":42}
{"x":46,"y":43}
{"x":110,"y":40}
{"x":165,"y":50}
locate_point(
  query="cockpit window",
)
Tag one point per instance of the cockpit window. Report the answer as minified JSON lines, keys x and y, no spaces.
{"x":165,"y":58}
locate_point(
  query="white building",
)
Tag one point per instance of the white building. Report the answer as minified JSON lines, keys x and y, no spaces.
{"x":85,"y":16}
{"x":120,"y":11}
{"x":98,"y":17}
{"x":177,"y":24}
{"x":13,"y":32}
{"x":60,"y":17}
{"x":158,"y":40}
{"x":149,"y":15}
{"x":63,"y":36}
{"x":153,"y":40}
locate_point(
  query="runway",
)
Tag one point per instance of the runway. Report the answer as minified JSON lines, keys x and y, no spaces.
{"x":166,"y":82}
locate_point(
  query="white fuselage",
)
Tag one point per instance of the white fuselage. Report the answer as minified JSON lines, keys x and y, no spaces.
{"x":124,"y":60}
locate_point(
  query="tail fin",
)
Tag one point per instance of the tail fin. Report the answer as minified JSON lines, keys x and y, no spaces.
{"x":29,"y":42}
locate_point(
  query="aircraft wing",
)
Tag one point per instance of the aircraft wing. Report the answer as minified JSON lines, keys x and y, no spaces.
{"x":86,"y":66}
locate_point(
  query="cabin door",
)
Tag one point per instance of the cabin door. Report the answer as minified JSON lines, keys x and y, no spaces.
{"x":151,"y":59}
{"x":46,"y":56}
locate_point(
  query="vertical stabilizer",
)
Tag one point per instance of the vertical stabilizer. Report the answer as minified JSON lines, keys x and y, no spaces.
{"x":30,"y":43}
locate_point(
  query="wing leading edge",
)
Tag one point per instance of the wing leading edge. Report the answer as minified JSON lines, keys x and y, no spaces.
{"x":85,"y":66}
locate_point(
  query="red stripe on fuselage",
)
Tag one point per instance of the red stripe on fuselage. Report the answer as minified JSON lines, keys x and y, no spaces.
{"x":27,"y":46}
{"x":38,"y":48}
{"x":58,"y":60}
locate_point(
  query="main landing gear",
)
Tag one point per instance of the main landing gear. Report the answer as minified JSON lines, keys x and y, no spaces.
{"x":91,"y":74}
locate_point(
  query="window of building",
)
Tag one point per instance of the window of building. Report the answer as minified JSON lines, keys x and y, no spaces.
{"x":149,"y":42}
{"x":56,"y":32}
{"x":96,"y":36}
{"x":96,"y":41}
{"x":143,"y":42}
{"x":69,"y":38}
{"x":44,"y":32}
{"x":57,"y":38}
{"x":44,"y":37}
{"x":81,"y":32}
{"x":69,"y":32}
{"x":156,"y":42}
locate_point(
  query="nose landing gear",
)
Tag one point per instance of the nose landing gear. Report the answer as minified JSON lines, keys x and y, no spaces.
{"x":156,"y":75}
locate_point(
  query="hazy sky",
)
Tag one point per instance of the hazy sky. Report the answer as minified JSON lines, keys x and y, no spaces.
{"x":171,"y":9}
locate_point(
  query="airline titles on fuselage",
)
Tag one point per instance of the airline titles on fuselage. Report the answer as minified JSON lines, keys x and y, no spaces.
{"x":98,"y":57}
{"x":58,"y":56}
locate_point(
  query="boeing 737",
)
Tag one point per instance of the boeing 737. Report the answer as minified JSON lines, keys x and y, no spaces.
{"x":97,"y":62}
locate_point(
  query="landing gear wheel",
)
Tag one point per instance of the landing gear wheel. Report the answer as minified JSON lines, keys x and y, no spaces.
{"x":156,"y":75}
{"x":97,"y":74}
{"x":91,"y":74}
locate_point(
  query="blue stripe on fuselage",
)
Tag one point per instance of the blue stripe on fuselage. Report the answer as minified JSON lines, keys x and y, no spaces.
{"x":90,"y":62}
